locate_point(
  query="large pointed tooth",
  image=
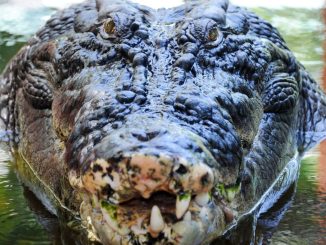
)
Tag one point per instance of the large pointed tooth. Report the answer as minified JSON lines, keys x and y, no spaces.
{"x":182,"y":204}
{"x":156,"y":222}
{"x":202,"y":198}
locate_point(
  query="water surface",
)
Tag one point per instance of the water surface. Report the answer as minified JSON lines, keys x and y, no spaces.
{"x":22,"y":218}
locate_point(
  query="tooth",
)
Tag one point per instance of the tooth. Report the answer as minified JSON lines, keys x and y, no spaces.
{"x":156,"y":222}
{"x":202,"y":199}
{"x":182,"y":204}
{"x":229,"y":216}
{"x":187,"y":216}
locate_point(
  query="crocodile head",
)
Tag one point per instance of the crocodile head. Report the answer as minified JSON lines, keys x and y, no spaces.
{"x":173,"y":121}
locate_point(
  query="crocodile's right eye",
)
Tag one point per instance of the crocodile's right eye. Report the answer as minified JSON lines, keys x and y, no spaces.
{"x":109,"y":26}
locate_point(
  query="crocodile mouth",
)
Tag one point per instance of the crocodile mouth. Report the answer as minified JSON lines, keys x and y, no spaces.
{"x":164,"y":201}
{"x":147,"y":198}
{"x":154,"y":220}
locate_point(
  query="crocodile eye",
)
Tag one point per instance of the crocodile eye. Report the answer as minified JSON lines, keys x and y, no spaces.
{"x":109,"y":26}
{"x":213,"y":34}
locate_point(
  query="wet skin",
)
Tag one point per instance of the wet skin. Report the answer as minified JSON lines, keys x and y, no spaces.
{"x":159,"y":126}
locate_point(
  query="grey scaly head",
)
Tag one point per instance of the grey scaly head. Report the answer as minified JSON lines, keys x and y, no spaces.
{"x":169,"y":122}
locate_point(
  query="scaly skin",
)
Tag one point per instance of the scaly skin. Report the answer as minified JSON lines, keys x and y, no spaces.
{"x":159,"y":126}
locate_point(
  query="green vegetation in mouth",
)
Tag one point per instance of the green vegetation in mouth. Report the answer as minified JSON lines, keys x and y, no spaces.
{"x":228,"y":192}
{"x":111,"y":209}
{"x":184,"y":196}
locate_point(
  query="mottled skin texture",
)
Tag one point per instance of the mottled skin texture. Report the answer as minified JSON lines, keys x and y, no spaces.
{"x":129,"y":103}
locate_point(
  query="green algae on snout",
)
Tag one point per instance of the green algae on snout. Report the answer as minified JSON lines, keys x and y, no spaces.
{"x":184,"y":196}
{"x":110,"y":209}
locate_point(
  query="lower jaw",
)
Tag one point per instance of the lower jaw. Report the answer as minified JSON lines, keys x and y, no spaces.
{"x":204,"y":222}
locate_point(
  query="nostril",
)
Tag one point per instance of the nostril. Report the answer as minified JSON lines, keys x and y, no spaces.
{"x":145,"y":136}
{"x":181,"y":169}
{"x":205,"y":179}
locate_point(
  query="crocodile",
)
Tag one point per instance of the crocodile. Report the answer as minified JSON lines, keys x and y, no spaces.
{"x":157,"y":126}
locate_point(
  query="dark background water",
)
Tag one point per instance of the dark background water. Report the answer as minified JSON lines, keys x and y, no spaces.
{"x":303,"y":223}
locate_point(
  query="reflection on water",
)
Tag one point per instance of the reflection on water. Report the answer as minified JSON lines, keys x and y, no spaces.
{"x":303,"y":223}
{"x":23,"y":218}
{"x":17,"y":223}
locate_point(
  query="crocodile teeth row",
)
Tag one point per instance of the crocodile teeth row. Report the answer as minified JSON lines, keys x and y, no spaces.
{"x":182,"y":205}
{"x":202,"y":199}
{"x":156,"y":222}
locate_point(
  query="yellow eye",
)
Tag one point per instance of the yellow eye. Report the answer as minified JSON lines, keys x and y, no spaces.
{"x":213,"y":34}
{"x":109,"y":26}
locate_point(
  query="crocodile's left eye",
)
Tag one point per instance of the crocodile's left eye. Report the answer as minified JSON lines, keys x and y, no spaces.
{"x":109,"y":26}
{"x":213,"y":34}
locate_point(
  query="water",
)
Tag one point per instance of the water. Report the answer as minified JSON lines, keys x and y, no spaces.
{"x":305,"y":222}
{"x":18,"y":225}
{"x":23,"y":220}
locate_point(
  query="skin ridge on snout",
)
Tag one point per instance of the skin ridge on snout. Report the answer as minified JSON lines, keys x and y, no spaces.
{"x":158,"y":126}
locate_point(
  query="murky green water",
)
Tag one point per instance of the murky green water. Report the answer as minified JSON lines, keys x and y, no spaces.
{"x":18,"y":225}
{"x":305,"y":222}
{"x":22,"y":218}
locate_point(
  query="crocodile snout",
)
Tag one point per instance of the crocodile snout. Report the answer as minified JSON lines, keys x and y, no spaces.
{"x":150,"y":178}
{"x":139,"y":161}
